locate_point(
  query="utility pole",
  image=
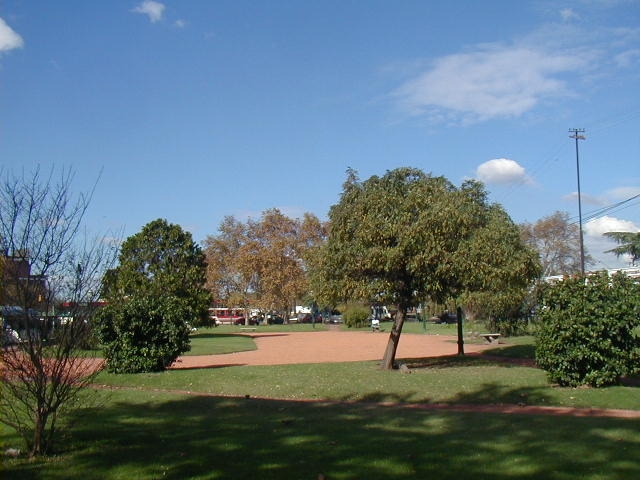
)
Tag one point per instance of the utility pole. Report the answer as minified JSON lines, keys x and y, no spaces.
{"x":577,"y":135}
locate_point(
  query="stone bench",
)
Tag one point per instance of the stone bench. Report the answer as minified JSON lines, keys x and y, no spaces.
{"x":490,"y":337}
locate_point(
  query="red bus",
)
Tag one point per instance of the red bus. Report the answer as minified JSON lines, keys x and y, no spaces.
{"x":227,"y":316}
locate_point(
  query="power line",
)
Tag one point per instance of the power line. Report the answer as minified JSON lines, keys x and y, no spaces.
{"x":608,"y":209}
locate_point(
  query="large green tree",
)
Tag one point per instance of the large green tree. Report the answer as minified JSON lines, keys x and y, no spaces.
{"x":629,"y":244}
{"x":154,"y":294}
{"x":161,"y":260}
{"x":408,"y":236}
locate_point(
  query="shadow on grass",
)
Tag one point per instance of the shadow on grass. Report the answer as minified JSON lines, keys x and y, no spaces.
{"x":454,"y":361}
{"x":487,"y":394}
{"x":206,"y":336}
{"x":141,"y":436}
{"x":513,"y":351}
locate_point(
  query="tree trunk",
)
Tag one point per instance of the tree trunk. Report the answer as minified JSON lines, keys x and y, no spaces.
{"x":39,"y":448}
{"x":460,"y":332}
{"x":394,"y":338}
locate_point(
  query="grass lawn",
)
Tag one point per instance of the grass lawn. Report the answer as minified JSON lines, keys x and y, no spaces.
{"x":152,"y":435}
{"x":249,"y":422}
{"x":211,"y":341}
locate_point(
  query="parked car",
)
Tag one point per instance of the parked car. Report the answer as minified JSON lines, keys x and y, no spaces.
{"x":305,"y":318}
{"x":448,"y":317}
{"x":9,"y":336}
{"x":274,"y":319}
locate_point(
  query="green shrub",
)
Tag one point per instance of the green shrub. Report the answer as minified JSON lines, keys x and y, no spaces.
{"x":144,"y":334}
{"x":356,"y":315}
{"x":587,"y":333}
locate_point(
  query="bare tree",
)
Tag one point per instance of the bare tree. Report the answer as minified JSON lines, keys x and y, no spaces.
{"x":557,"y":241}
{"x":46,"y":258}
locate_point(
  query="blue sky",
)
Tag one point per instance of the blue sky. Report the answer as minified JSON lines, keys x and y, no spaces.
{"x":193,"y":110}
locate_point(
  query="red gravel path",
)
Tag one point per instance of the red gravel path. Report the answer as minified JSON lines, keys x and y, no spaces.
{"x":329,"y":346}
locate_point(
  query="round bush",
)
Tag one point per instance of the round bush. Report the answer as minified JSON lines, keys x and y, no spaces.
{"x":589,"y":330}
{"x":356,"y":316}
{"x":145,"y":334}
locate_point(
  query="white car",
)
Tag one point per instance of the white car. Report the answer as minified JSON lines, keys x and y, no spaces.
{"x":10,"y":336}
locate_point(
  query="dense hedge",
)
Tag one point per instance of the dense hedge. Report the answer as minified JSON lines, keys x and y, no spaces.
{"x":590,"y":330}
{"x":144,"y":334}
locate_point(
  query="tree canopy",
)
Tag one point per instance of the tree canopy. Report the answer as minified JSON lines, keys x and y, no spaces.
{"x":153,"y":295}
{"x":407,"y":237}
{"x":161,"y":260}
{"x":629,"y":244}
{"x":261,"y":262}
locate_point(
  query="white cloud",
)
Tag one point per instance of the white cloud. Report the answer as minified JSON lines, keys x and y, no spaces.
{"x":602,"y":225}
{"x":9,"y":39}
{"x":568,"y":14}
{"x":180,"y":23}
{"x":152,"y":9}
{"x":586,"y":199}
{"x":502,"y":171}
{"x":510,"y":79}
{"x":597,"y":244}
{"x":490,"y":82}
{"x":623,"y":193}
{"x":627,"y":58}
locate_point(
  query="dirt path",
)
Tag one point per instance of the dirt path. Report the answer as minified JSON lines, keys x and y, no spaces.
{"x":329,"y":346}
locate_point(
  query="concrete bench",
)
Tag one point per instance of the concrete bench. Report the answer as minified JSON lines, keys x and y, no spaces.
{"x":250,"y":329}
{"x":490,"y":337}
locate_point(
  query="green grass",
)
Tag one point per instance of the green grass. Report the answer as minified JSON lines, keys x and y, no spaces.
{"x":450,"y":380}
{"x":291,"y":327}
{"x":144,"y":435}
{"x":412,"y":326}
{"x":249,"y":422}
{"x":213,"y":341}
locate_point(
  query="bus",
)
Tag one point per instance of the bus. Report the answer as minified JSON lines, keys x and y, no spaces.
{"x":226,"y":316}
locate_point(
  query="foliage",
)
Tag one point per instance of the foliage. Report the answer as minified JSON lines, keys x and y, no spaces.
{"x":408,"y":237}
{"x":586,"y":334}
{"x":355,"y":315}
{"x":45,"y":261}
{"x":629,"y":244}
{"x":161,"y":260}
{"x":557,"y":241}
{"x":144,"y":334}
{"x":261,"y":263}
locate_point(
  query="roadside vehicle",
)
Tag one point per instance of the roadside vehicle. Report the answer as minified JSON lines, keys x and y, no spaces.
{"x":274,"y":319}
{"x":227,"y":316}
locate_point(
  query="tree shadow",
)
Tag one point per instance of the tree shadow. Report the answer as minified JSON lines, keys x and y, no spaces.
{"x":177,"y":437}
{"x":513,"y":351}
{"x":205,"y":336}
{"x":455,"y":361}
